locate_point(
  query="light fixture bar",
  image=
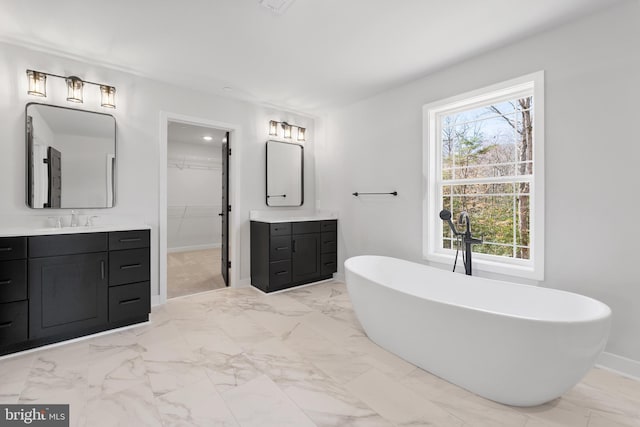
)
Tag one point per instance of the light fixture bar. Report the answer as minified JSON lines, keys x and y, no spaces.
{"x":287,"y":130}
{"x":38,"y":87}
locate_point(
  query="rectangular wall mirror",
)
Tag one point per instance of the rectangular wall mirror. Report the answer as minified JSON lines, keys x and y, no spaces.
{"x":71,"y":156}
{"x":285,"y":167}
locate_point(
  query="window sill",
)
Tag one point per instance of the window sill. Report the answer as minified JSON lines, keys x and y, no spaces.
{"x":490,"y":266}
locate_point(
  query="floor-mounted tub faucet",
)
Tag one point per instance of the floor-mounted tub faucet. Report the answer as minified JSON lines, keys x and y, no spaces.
{"x":465,"y":237}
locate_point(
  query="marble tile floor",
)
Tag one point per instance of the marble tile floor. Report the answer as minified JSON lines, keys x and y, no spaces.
{"x":237,"y":357}
{"x":193,"y":272}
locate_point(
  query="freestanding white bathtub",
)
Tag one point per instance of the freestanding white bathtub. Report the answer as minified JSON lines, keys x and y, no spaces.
{"x":515,"y":344}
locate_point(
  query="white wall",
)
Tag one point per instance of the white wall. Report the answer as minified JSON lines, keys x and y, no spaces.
{"x":194,"y":196}
{"x":139,"y":102}
{"x":592,"y":77}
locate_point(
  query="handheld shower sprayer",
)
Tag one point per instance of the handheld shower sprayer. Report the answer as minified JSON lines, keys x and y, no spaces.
{"x":445,"y":215}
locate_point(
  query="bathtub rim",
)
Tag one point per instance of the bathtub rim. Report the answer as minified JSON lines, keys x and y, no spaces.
{"x":604,"y":316}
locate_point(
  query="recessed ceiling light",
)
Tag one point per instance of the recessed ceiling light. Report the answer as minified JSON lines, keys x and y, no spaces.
{"x":207,"y":138}
{"x":276,"y":6}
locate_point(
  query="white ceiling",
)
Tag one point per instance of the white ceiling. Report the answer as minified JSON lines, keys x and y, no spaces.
{"x":317,"y":55}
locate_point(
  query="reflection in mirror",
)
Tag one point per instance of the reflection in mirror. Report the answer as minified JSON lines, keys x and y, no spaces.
{"x":70,"y":158}
{"x":284,"y":174}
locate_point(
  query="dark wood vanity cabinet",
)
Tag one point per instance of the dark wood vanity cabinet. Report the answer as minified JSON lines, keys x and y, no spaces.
{"x":129,"y":274}
{"x":289,"y":254}
{"x":14,"y":310}
{"x":58,"y":287}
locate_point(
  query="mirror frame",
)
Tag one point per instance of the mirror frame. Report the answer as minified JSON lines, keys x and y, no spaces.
{"x":266,"y":187}
{"x":29,"y":155}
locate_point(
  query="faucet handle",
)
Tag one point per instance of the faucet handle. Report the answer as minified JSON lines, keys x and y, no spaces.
{"x":57,"y":221}
{"x":90,"y":219}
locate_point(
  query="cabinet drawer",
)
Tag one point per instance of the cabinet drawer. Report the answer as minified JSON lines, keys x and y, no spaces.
{"x":280,"y":229}
{"x":329,"y":242}
{"x":128,"y":266}
{"x":13,"y":322}
{"x":280,"y":248}
{"x":13,"y":280}
{"x":329,"y":225}
{"x":67,"y":244}
{"x":329,"y":264}
{"x":306,"y":227}
{"x":279,"y":273}
{"x":13,"y":248}
{"x":129,"y":301}
{"x":132,"y":239}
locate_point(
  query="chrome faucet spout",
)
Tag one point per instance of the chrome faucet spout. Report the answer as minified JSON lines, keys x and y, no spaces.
{"x":464,"y":218}
{"x":75,"y":218}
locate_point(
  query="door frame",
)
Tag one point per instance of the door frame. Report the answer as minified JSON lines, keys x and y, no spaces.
{"x":234,"y":193}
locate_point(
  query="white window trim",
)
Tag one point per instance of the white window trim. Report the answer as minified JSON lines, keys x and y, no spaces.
{"x":432,"y":225}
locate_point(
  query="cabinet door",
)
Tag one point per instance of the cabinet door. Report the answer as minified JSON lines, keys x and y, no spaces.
{"x":67,"y":294}
{"x":305,"y":256}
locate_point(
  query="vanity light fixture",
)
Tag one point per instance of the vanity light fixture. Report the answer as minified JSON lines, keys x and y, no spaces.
{"x":286,"y":127}
{"x":75,"y":86}
{"x":74,"y":89}
{"x":287,"y":130}
{"x":108,"y":96}
{"x":37,"y":83}
{"x":273,"y":128}
{"x":301,"y":134}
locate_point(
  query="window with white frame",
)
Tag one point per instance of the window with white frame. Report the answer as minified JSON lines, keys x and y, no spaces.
{"x":483,"y":155}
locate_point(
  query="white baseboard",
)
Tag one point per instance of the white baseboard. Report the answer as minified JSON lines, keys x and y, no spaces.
{"x":243,"y":283}
{"x":155,"y":300}
{"x":619,"y":364}
{"x":194,"y":248}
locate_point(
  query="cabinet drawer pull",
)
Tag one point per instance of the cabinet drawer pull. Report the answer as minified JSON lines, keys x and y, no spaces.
{"x":5,"y":325}
{"x":280,"y":273}
{"x":132,"y":239}
{"x":329,"y":263}
{"x":329,"y":241}
{"x":5,"y":282}
{"x":282,"y":248}
{"x":6,"y":249}
{"x":102,"y":270}
{"x":129,"y":301}
{"x":127,"y":267}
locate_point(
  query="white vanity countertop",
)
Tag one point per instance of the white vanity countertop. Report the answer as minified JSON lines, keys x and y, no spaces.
{"x":290,"y":216}
{"x":34,"y":231}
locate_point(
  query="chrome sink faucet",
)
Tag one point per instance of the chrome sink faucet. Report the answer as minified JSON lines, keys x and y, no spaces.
{"x":75,"y":218}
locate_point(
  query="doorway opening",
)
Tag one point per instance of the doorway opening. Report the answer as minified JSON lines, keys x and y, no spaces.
{"x":197,"y":185}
